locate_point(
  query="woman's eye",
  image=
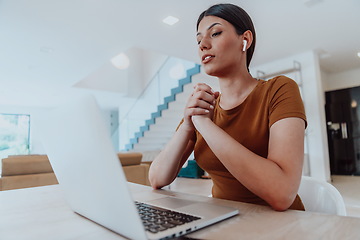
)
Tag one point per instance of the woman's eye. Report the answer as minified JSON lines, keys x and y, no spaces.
{"x":216,"y":34}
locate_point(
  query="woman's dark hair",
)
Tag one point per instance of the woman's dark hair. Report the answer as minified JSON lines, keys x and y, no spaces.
{"x":237,"y":17}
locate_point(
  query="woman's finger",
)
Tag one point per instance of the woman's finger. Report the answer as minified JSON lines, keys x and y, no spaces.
{"x":196,"y":111}
{"x":196,"y":103}
{"x":205,"y":96}
{"x":203,"y":87}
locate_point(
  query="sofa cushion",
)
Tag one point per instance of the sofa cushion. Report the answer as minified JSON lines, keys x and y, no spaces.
{"x":25,"y":164}
{"x":137,"y":174}
{"x":26,"y":181}
{"x":130,"y":158}
{"x":35,"y":170}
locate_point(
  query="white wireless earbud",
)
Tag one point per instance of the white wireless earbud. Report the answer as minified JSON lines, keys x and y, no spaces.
{"x":244,"y":47}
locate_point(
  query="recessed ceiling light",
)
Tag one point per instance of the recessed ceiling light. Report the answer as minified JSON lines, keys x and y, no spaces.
{"x":170,"y":20}
{"x":358,"y":54}
{"x":121,"y":61}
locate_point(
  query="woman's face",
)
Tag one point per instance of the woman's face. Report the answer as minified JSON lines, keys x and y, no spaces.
{"x":220,"y":47}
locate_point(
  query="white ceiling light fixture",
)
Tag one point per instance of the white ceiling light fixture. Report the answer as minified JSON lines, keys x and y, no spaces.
{"x":121,"y":61}
{"x":358,"y":54}
{"x":177,"y":71}
{"x":170,"y":20}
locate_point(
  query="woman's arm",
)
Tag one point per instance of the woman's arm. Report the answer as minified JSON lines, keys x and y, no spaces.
{"x":275,"y":179}
{"x":167,"y":164}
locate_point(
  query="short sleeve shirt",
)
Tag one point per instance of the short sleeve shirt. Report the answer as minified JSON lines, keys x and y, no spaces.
{"x":249,"y":123}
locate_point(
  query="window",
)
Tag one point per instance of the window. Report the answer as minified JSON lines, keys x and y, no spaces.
{"x":14,"y":134}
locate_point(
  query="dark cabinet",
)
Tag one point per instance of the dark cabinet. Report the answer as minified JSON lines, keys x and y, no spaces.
{"x":343,"y":129}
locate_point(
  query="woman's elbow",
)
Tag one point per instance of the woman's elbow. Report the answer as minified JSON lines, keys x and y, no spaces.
{"x":281,"y":203}
{"x":154,"y":183}
{"x":154,"y":186}
{"x":280,"y":207}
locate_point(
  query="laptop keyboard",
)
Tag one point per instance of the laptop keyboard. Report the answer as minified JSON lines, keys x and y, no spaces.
{"x":156,"y":219}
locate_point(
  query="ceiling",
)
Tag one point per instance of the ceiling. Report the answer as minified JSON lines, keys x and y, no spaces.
{"x":48,"y":46}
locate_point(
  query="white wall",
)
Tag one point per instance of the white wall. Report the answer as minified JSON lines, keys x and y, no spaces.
{"x":147,"y":65}
{"x":151,"y":64}
{"x":313,"y":97}
{"x":346,"y":79}
{"x":324,"y":79}
{"x":143,"y":66}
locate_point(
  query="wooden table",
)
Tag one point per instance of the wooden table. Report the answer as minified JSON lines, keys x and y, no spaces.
{"x":42,"y":213}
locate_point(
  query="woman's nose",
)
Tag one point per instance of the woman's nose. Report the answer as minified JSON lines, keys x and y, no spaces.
{"x":204,"y":44}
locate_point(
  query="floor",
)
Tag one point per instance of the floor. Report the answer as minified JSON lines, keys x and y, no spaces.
{"x":348,"y":186}
{"x":349,"y":189}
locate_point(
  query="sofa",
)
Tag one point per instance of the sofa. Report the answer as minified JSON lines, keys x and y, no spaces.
{"x":24,"y":171}
{"x":136,"y":170}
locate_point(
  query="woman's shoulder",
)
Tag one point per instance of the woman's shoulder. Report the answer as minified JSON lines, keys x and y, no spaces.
{"x":280,"y":82}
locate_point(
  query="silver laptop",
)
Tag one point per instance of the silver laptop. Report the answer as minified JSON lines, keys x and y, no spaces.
{"x":86,"y":165}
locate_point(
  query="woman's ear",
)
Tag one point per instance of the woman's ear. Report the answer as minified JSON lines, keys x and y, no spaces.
{"x":248,"y":37}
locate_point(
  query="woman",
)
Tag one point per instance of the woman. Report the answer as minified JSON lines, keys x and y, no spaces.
{"x":249,"y":138}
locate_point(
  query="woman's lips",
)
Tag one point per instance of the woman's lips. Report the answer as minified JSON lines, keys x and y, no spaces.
{"x":207,"y":58}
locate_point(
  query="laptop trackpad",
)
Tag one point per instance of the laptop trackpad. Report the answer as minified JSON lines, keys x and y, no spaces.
{"x":171,"y":202}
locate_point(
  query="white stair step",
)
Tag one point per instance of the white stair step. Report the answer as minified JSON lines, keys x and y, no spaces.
{"x":154,"y":140}
{"x":143,"y":148}
{"x":177,"y":106}
{"x":182,"y":97}
{"x":170,"y":115}
{"x":160,"y":127}
{"x":187,"y":89}
{"x":171,"y":127}
{"x":165,"y":121}
{"x":158,"y":133}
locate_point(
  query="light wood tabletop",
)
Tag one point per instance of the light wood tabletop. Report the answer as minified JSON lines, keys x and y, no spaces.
{"x":42,"y":213}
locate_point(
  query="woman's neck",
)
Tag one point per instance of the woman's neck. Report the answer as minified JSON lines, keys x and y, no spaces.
{"x":235,"y":89}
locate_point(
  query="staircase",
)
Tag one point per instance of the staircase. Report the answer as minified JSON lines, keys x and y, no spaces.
{"x":158,"y":130}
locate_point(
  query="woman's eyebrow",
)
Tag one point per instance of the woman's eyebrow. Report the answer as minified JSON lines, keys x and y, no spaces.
{"x":212,"y":25}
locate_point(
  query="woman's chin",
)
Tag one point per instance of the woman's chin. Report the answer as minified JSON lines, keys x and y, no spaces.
{"x":210,"y":71}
